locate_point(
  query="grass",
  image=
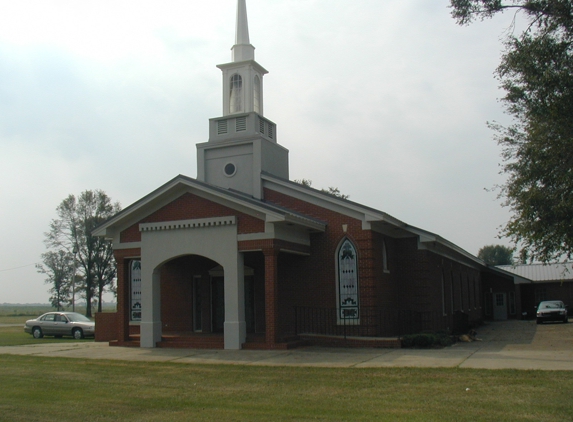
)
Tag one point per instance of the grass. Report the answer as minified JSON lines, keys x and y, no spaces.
{"x":15,"y":336}
{"x":54,"y":389}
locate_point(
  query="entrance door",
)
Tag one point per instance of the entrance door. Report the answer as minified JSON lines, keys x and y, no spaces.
{"x":217,"y":304}
{"x":499,"y":306}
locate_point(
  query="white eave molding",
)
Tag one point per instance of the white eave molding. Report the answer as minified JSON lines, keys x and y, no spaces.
{"x":188,"y":224}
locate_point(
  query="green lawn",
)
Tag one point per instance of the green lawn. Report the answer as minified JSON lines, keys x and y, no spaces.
{"x":54,"y":389}
{"x":15,"y":336}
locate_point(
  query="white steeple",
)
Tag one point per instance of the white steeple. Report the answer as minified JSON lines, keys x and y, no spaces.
{"x":242,"y":50}
{"x":242,"y":143}
{"x":243,"y":77}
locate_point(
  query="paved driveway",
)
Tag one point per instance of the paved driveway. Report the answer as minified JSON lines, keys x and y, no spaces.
{"x":508,"y":344}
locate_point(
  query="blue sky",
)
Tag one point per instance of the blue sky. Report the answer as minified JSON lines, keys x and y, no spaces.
{"x":388,"y":101}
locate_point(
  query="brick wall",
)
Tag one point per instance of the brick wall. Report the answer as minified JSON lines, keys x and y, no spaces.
{"x":188,"y":207}
{"x":310,"y":281}
{"x":106,"y":326}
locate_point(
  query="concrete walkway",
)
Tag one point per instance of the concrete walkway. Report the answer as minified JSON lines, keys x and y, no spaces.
{"x":505,"y":345}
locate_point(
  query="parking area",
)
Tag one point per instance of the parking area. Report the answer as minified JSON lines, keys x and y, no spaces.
{"x":503,"y":345}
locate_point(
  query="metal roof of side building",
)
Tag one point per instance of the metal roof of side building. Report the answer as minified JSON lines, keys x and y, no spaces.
{"x":542,"y":272}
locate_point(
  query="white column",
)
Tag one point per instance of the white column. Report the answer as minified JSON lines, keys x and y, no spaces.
{"x":151,"y":306}
{"x":235,"y":326}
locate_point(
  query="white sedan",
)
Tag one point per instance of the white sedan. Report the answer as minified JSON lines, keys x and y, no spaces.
{"x":61,"y":324}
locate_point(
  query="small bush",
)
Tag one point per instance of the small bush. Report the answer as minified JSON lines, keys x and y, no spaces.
{"x":426,"y":340}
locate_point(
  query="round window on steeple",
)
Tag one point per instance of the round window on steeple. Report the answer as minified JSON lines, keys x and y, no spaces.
{"x":230,"y":169}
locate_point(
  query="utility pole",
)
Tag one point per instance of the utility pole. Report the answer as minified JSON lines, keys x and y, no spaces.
{"x":74,"y":280}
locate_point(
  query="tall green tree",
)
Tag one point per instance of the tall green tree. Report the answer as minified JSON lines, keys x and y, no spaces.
{"x":72,"y":232}
{"x":536,"y":72}
{"x":59,"y":269}
{"x":496,"y":255}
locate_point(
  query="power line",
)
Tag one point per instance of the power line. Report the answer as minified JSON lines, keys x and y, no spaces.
{"x":17,"y":268}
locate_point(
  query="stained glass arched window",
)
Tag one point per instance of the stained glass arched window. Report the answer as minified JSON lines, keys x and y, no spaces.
{"x":348,"y":293}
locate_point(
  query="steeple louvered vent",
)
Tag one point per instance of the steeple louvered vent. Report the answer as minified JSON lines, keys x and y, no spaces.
{"x":221,"y":127}
{"x":241,"y":124}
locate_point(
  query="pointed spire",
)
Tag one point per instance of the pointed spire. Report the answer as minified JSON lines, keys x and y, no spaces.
{"x":242,"y":36}
{"x":242,"y":50}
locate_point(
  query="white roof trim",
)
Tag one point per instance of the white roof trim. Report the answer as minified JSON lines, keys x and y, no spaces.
{"x":188,"y":224}
{"x":266,"y":212}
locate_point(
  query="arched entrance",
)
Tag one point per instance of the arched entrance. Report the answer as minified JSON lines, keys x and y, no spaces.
{"x":214,"y":239}
{"x":192,"y":291}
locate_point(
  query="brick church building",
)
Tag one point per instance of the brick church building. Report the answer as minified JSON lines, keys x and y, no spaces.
{"x":242,"y":257}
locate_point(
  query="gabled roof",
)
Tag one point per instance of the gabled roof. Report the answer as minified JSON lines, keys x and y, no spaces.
{"x":377,"y":218}
{"x":182,"y":184}
{"x":542,"y":272}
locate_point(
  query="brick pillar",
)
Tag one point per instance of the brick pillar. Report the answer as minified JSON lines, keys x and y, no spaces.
{"x":271,"y":296}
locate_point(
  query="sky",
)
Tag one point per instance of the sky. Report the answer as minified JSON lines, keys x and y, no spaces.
{"x":386,"y":100}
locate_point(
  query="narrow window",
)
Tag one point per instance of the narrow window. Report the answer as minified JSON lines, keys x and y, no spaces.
{"x":488,"y":299}
{"x":476,"y":292}
{"x":461,"y":293}
{"x":257,"y":95}
{"x":348,"y":301}
{"x":135,"y":287}
{"x":469,"y":293}
{"x":443,"y":294}
{"x":452,"y":306}
{"x":236,"y":104}
{"x":384,"y":257}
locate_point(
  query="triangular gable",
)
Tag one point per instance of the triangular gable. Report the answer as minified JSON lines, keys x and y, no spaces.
{"x":184,"y":198}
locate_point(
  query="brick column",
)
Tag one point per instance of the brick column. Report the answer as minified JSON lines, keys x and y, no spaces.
{"x":122,"y":314}
{"x":271,"y":296}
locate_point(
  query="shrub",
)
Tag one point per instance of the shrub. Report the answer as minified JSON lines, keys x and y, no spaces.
{"x":426,"y":340}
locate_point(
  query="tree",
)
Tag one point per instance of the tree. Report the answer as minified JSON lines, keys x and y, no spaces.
{"x":331,"y":190}
{"x":59,"y":267}
{"x":496,"y":255}
{"x":536,"y":72}
{"x":72,"y":233}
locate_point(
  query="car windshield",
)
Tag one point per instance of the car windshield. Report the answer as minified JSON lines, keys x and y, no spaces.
{"x":78,"y":318}
{"x":550,"y":305}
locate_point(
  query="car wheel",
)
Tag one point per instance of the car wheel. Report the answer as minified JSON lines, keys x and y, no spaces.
{"x":78,"y":333}
{"x":539,"y":321}
{"x":566,"y":320}
{"x":37,"y":332}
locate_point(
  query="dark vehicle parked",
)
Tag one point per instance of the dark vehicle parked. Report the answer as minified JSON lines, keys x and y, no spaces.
{"x":61,"y":324}
{"x":552,"y":310}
